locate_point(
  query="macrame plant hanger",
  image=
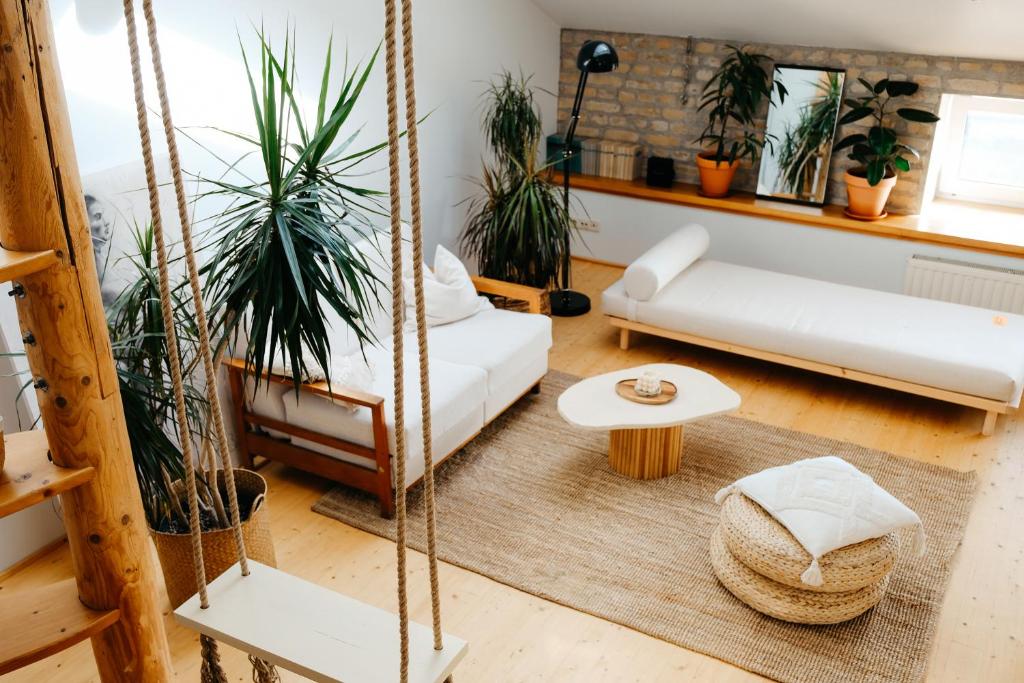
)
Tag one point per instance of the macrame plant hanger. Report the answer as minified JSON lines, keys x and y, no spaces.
{"x":257,"y":599}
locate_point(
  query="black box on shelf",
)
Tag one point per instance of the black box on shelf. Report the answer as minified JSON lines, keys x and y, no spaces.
{"x":661,"y":172}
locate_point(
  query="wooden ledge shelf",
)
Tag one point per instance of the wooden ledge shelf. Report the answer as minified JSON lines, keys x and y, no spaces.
{"x":17,"y":264}
{"x":30,"y":478}
{"x":985,"y":229}
{"x":41,"y":622}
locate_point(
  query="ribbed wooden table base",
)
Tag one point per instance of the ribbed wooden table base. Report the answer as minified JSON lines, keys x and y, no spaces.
{"x":646,"y":453}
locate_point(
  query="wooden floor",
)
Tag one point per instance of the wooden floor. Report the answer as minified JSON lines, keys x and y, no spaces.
{"x":517,"y":637}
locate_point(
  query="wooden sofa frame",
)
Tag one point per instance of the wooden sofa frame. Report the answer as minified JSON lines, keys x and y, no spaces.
{"x":992,"y":408}
{"x":255,"y":443}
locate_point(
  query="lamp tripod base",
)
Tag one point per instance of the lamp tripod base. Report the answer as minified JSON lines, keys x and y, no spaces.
{"x":566,"y":303}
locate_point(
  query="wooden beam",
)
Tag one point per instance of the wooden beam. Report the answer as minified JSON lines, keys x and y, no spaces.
{"x":42,"y":208}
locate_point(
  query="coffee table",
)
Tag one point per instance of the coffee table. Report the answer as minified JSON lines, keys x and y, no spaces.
{"x":645,"y":441}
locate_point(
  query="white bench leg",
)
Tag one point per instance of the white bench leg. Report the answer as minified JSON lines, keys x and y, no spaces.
{"x":989,"y":426}
{"x":624,"y":338}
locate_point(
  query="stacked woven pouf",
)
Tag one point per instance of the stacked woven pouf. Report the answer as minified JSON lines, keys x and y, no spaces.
{"x":761,"y":563}
{"x":768,"y":565}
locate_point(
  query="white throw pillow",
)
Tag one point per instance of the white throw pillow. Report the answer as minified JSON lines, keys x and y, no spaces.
{"x":826,"y":503}
{"x":448,"y":292}
{"x":660,"y":264}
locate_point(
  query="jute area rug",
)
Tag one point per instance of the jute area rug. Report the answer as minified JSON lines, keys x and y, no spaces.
{"x":533,"y":504}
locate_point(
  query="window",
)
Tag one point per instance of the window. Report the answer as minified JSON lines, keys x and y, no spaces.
{"x":982,"y":159}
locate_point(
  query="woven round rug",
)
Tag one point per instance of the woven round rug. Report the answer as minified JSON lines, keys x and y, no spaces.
{"x":757,"y":540}
{"x":787,"y":603}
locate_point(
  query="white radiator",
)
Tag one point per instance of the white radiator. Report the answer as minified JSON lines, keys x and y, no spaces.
{"x":999,"y":289}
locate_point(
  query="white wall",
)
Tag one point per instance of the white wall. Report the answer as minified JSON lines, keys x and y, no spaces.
{"x":459,"y":45}
{"x":628,"y":227}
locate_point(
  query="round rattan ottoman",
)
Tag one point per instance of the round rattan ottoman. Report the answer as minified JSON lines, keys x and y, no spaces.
{"x":760,"y":563}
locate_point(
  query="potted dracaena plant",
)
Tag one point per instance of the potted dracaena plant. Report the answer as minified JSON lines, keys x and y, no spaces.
{"x":732,"y":98}
{"x":517,"y":226}
{"x":879,"y":153}
{"x":139,"y":342}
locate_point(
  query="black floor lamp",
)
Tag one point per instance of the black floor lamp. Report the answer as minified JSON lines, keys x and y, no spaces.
{"x":596,"y":56}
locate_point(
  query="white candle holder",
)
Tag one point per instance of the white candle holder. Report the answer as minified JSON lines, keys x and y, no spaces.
{"x":648,"y":384}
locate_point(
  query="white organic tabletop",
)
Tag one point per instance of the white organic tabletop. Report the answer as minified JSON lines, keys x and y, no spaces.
{"x":593,"y":404}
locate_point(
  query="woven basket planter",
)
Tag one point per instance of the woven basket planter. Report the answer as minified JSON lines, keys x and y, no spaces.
{"x":219,"y":552}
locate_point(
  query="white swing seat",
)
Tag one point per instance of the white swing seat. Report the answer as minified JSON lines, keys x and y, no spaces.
{"x":314,"y":631}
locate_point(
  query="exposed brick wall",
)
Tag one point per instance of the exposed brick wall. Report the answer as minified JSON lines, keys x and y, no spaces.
{"x":647,"y":99}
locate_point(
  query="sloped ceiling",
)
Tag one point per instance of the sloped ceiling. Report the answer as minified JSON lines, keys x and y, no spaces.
{"x":962,"y":28}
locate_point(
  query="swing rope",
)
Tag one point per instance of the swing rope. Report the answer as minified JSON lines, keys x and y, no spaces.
{"x":397,"y":300}
{"x":264,"y":671}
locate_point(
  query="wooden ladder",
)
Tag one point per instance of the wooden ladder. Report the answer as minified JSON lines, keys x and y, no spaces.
{"x":83,"y":455}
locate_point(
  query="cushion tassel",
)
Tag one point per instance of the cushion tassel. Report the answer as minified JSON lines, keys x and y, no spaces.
{"x":812,"y":575}
{"x":920,"y":543}
{"x":723,"y":493}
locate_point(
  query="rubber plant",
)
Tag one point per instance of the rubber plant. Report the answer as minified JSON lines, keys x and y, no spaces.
{"x":732,"y":100}
{"x":517,"y":225}
{"x":879,"y":153}
{"x":806,"y":143}
{"x":285,"y":249}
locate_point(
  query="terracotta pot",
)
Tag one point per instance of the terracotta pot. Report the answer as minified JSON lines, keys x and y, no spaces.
{"x":219,"y":552}
{"x":863,"y":200}
{"x":715,"y":176}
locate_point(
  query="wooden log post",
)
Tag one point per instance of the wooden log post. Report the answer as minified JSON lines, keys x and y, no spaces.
{"x":42,"y":207}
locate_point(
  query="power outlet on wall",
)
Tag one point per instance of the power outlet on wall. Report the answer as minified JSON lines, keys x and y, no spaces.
{"x":587,"y":224}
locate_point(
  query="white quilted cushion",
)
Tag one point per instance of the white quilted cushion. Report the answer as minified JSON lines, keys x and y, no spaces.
{"x":502,"y":343}
{"x":826,"y":503}
{"x":457,"y":394}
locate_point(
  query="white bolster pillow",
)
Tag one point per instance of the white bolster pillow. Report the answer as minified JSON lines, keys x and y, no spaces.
{"x":660,"y":264}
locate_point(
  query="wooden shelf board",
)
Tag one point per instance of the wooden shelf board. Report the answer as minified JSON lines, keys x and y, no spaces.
{"x":313,"y":631}
{"x":17,"y":264}
{"x":990,"y":229}
{"x":41,"y":622}
{"x":29,"y":477}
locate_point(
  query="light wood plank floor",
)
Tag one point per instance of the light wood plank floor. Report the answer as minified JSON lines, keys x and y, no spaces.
{"x":518,"y":637}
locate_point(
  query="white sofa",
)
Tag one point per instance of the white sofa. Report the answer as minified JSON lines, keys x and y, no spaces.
{"x":962,"y":354}
{"x":479,"y":366}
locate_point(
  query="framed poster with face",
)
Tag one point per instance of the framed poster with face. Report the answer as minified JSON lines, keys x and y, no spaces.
{"x":795,"y":167}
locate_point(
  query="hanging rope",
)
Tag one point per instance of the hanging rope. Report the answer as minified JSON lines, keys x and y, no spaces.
{"x":211,"y":670}
{"x":398,"y":343}
{"x":397,"y":298}
{"x":421,"y":318}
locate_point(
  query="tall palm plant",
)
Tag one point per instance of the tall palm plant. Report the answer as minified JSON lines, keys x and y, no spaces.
{"x":285,"y":247}
{"x":517,"y":225}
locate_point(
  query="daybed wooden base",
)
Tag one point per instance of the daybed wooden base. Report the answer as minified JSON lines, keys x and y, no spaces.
{"x":991,"y":407}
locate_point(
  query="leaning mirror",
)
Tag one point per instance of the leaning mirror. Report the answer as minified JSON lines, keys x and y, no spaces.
{"x":794,"y":166}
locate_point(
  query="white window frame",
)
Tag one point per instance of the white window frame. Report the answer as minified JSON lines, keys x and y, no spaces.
{"x":950,"y":185}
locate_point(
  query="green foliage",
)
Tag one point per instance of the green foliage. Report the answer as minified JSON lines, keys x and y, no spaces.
{"x":517,"y":225}
{"x":880,"y":152}
{"x":511,"y":124}
{"x":137,"y":333}
{"x":732,"y":98}
{"x":285,"y":247}
{"x":807,"y":142}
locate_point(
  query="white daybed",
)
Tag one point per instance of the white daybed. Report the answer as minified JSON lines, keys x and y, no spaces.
{"x":961,"y":354}
{"x":479,"y":366}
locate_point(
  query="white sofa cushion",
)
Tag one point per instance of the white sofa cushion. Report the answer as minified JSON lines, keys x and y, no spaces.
{"x":499,"y":342}
{"x":826,"y":503}
{"x":448,"y":292}
{"x":959,"y":348}
{"x":661,"y":263}
{"x":457,"y":394}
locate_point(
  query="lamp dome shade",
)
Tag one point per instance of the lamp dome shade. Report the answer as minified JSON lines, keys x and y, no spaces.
{"x":97,"y":17}
{"x":597,"y":56}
